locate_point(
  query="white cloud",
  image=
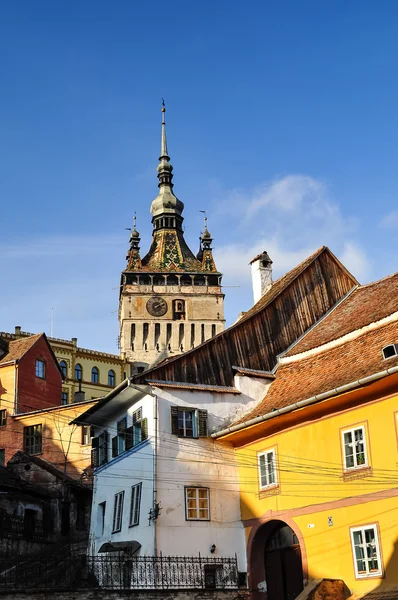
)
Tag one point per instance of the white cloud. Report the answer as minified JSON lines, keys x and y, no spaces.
{"x":289,"y":218}
{"x":390,"y":221}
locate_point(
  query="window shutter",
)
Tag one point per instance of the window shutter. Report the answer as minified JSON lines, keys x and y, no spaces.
{"x":129,"y":438}
{"x":114,"y":446}
{"x":94,"y":452}
{"x":137,"y":415}
{"x":121,"y":426}
{"x":106,"y":444}
{"x":202,"y":425}
{"x":174,"y":420}
{"x":144,"y":429}
{"x":94,"y":458}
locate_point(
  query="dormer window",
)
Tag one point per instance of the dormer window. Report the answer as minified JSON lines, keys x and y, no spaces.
{"x":390,"y":351}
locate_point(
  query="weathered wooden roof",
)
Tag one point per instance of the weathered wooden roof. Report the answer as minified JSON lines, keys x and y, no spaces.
{"x":294,"y":303}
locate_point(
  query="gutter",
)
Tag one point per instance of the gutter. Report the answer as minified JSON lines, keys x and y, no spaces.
{"x":317,"y":398}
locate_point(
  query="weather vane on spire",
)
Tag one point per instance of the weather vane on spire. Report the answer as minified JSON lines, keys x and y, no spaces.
{"x":205,"y":218}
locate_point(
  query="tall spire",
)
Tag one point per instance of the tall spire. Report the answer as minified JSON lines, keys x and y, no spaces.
{"x":163,"y":145}
{"x":166,"y":204}
{"x":165,"y":169}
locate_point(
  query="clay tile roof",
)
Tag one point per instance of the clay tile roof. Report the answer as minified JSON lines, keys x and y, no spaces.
{"x":322,"y":371}
{"x":17,"y":348}
{"x":366,"y":304}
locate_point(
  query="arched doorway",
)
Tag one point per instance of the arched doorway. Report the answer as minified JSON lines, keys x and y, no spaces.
{"x":283,"y":567}
{"x":276,"y":570}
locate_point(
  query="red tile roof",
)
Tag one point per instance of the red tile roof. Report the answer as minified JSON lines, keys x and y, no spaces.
{"x":325,"y":370}
{"x":367,"y":304}
{"x":17,"y":348}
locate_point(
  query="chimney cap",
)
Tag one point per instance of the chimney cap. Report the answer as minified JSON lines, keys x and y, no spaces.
{"x":262,"y":256}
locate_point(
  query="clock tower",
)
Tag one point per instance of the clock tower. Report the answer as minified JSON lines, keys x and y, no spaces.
{"x":170,"y":300}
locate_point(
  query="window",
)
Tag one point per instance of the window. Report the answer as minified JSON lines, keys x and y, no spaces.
{"x":99,"y":451}
{"x":135,"y":504}
{"x":354,"y":448}
{"x":138,"y":432}
{"x":111,"y":378}
{"x":2,"y":457}
{"x":64,"y":368}
{"x":32,"y":439}
{"x":390,"y":351}
{"x":3,"y":418}
{"x":119,"y":441}
{"x":94,"y":375}
{"x":213,"y":330}
{"x":118,"y":512}
{"x":197,"y":504}
{"x":40,"y":369}
{"x":101,"y":517}
{"x":267,"y":469}
{"x":78,"y":372}
{"x":188,"y":422}
{"x":64,"y":398}
{"x":366,"y":551}
{"x":86,"y":435}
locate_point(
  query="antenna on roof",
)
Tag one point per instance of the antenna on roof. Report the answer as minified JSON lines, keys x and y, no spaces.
{"x":52,"y":323}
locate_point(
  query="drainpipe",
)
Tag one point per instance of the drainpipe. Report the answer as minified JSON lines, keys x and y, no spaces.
{"x":16,"y":388}
{"x":318,"y":398}
{"x":155,"y":470}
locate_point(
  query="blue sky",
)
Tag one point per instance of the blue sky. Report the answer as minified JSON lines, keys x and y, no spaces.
{"x":282,"y":123}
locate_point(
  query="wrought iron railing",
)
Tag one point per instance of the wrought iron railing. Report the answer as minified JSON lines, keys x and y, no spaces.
{"x":118,"y":573}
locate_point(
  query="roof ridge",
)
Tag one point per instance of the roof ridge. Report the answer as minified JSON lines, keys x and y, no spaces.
{"x":365,"y":285}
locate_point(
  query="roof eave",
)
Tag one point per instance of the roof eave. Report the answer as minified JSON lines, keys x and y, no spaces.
{"x":348,"y":387}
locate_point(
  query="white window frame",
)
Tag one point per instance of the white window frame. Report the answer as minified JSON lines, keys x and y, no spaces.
{"x":118,"y":512}
{"x":352,"y":431}
{"x":196,"y":508}
{"x":266,"y":475}
{"x":194,"y":415}
{"x":363,"y":546}
{"x":135,"y":505}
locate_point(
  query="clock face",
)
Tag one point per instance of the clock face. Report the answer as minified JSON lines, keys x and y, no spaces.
{"x":156,"y":306}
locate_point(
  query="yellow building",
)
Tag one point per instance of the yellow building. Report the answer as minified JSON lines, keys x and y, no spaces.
{"x":98,"y":372}
{"x":318,"y":456}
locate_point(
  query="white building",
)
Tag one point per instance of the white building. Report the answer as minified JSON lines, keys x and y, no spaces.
{"x":162,"y":484}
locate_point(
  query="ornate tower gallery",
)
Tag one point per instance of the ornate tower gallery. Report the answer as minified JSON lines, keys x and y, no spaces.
{"x":170,"y":300}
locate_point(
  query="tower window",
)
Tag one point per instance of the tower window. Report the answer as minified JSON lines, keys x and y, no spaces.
{"x":193,"y":335}
{"x":78,"y":372}
{"x":213,"y":330}
{"x":94,"y":375}
{"x":202,"y":333}
{"x":64,"y":368}
{"x":132,"y":335}
{"x":157,"y":333}
{"x":181,"y":336}
{"x":111,"y":377}
{"x":179,"y":310}
{"x":168,"y":334}
{"x":145,"y":330}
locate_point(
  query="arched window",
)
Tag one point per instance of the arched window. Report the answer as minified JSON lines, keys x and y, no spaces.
{"x":64,"y":368}
{"x":78,"y":372}
{"x":94,"y":375}
{"x":111,"y":377}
